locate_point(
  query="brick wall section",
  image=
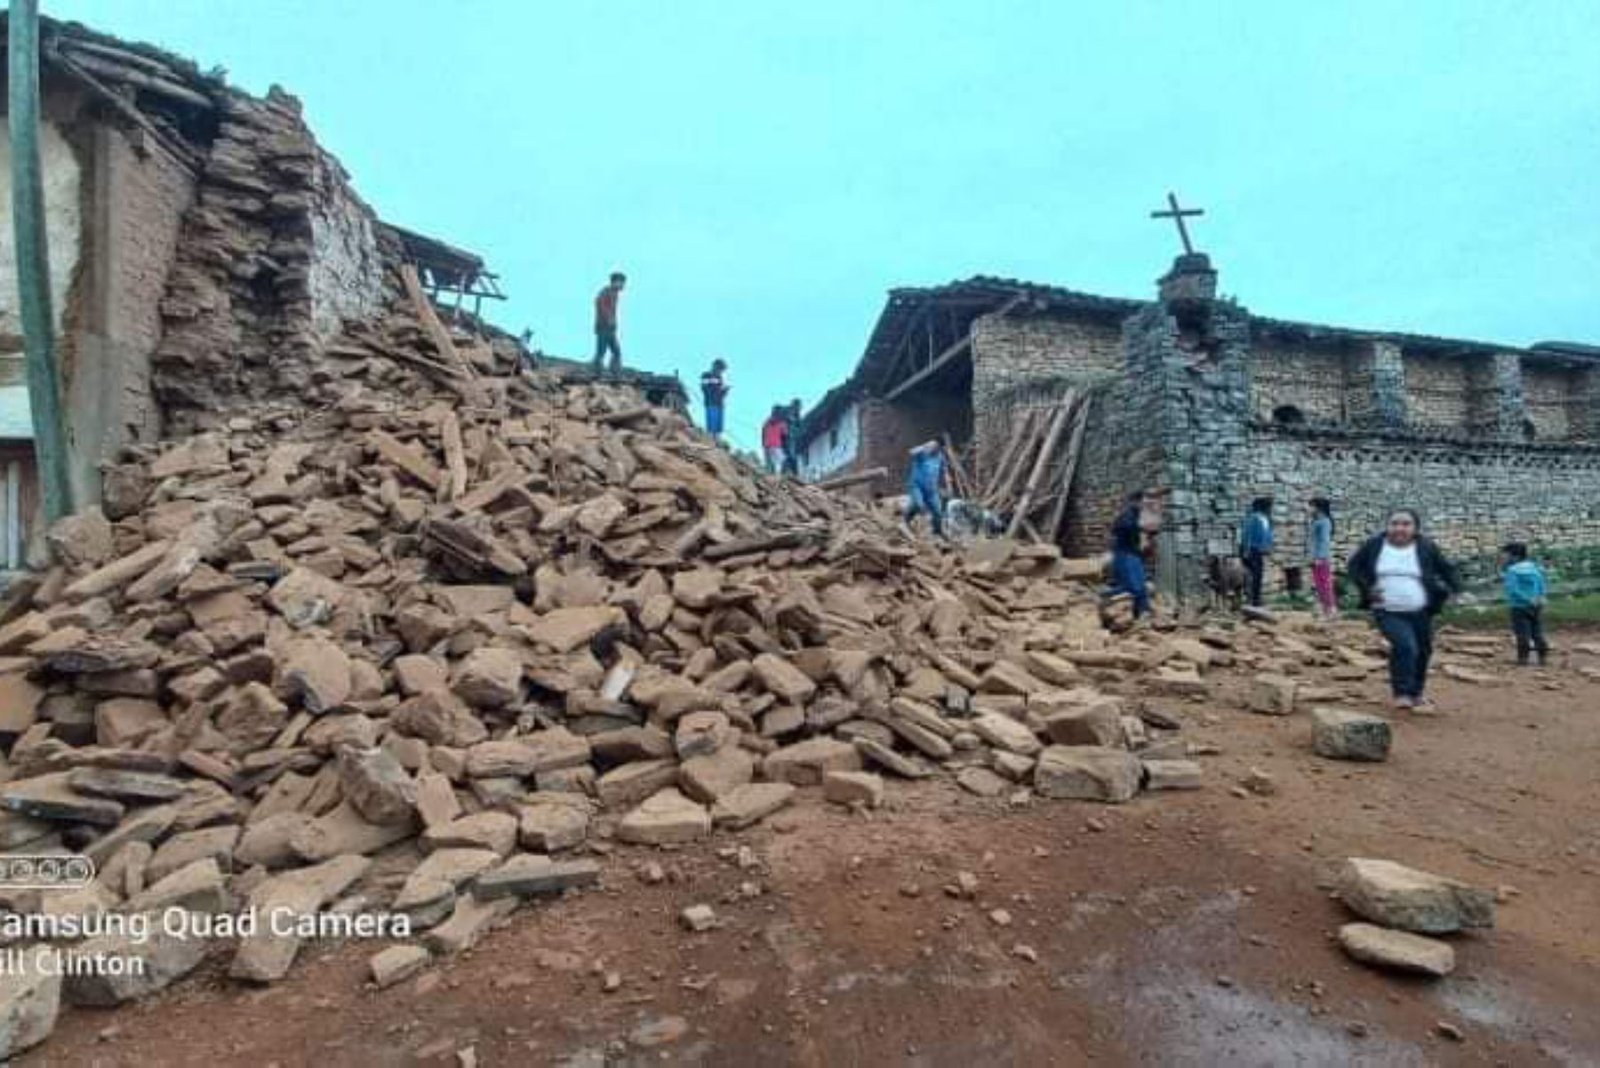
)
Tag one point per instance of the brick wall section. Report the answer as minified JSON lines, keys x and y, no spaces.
{"x":1013,"y":351}
{"x":889,"y":431}
{"x":1583,"y":405}
{"x":1558,"y":401}
{"x":149,"y":196}
{"x":1545,"y":391}
{"x":1317,"y":380}
{"x":1441,"y":392}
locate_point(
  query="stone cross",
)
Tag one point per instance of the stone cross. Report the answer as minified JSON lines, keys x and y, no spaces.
{"x":1177,"y":215}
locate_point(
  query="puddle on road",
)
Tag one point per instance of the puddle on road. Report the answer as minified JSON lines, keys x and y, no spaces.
{"x":1193,"y":1021}
{"x":1500,"y":1008}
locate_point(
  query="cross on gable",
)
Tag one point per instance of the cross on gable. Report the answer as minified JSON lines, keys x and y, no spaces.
{"x":1177,"y":215}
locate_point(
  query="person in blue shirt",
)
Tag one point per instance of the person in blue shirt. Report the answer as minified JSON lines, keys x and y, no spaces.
{"x":923,"y":484}
{"x":1127,"y":555}
{"x":1525,"y":593}
{"x":1255,"y":545}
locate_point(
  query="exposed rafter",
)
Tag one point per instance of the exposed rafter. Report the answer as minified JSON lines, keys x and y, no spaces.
{"x":950,"y":352}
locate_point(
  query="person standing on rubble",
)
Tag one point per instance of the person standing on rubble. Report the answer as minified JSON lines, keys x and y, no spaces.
{"x":713,"y":392}
{"x":774,"y":439}
{"x":1405,"y":580}
{"x":1127,"y":555}
{"x":1255,"y":545}
{"x":791,"y":439}
{"x":605,"y":322}
{"x":924,"y":483}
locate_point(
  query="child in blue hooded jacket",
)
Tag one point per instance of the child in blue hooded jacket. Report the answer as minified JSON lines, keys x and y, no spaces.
{"x":1525,"y":593}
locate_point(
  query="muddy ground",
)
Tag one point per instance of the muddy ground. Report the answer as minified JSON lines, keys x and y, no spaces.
{"x":1180,"y":929}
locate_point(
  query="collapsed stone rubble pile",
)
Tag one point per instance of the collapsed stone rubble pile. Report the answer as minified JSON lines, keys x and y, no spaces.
{"x":427,"y":657}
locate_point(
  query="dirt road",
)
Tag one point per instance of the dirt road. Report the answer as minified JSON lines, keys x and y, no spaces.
{"x":1180,"y":929}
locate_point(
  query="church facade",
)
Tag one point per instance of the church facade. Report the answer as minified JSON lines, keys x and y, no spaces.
{"x":1217,"y":405}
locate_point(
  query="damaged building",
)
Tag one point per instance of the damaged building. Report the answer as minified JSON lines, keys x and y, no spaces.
{"x":205,"y":252}
{"x":1197,"y":395}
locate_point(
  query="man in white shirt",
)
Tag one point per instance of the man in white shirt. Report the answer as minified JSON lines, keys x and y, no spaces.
{"x":1405,"y":580}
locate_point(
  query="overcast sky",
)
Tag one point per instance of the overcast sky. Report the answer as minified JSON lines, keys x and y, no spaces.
{"x":765,"y":172}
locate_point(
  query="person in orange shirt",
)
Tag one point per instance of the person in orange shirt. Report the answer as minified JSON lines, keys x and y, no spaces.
{"x":605,"y":322}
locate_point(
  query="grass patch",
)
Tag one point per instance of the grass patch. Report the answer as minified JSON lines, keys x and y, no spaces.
{"x":1584,"y":609}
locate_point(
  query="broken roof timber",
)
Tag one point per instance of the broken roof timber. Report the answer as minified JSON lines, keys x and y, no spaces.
{"x":447,"y":266}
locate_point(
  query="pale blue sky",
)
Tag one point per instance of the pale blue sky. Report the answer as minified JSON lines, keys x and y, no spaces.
{"x":765,"y":172}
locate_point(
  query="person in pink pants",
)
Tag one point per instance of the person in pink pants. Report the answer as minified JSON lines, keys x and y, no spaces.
{"x":1319,"y":547}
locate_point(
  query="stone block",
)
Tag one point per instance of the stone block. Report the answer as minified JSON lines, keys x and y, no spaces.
{"x":1087,"y":773}
{"x":1342,"y":735}
{"x":1394,"y":895}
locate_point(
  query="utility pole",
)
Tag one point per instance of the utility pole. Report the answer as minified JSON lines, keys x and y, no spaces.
{"x":33,"y":262}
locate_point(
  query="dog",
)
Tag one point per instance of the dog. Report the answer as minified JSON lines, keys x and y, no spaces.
{"x":1225,"y":579}
{"x":965,"y":519}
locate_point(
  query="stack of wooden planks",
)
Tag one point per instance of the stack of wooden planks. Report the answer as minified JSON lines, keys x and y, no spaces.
{"x":1031,"y":484}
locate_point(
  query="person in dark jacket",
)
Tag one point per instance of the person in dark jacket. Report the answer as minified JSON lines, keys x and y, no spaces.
{"x":1255,"y":545}
{"x":714,"y":394}
{"x":1405,"y":580}
{"x":1127,"y":559}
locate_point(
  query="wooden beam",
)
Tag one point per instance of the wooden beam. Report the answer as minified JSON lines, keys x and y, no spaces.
{"x":179,"y":150}
{"x":950,"y":352}
{"x":1001,"y":477}
{"x":933,"y":367}
{"x":903,"y":349}
{"x":844,"y":481}
{"x":139,"y":79}
{"x":430,"y":321}
{"x":1040,"y":464}
{"x":963,"y":484}
{"x":1070,"y":467}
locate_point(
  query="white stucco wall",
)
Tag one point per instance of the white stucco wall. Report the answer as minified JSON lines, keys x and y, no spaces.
{"x":835,"y":447}
{"x":63,"y":228}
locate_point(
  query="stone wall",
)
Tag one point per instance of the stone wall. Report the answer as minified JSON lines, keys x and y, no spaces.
{"x":1473,"y":497}
{"x":346,"y":273}
{"x":1118,"y":457}
{"x":276,"y":253}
